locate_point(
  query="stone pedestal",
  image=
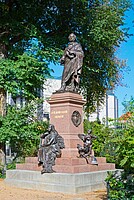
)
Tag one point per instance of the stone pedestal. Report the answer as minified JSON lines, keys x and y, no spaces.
{"x":63,"y":107}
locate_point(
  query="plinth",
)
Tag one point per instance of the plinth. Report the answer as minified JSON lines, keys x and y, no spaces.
{"x":66,"y":113}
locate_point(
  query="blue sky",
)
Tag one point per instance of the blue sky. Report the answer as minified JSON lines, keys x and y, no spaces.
{"x":126,"y":51}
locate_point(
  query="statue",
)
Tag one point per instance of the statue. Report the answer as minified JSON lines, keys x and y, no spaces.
{"x":50,"y":147}
{"x":86,"y":150}
{"x":72,"y":60}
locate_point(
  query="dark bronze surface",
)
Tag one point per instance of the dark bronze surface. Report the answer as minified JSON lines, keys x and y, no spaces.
{"x":72,"y":60}
{"x":76,"y":118}
{"x":51,"y":144}
{"x":86,"y":150}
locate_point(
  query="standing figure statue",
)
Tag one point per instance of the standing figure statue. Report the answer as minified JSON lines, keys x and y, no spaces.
{"x":86,"y":150}
{"x":50,"y":147}
{"x":72,"y":60}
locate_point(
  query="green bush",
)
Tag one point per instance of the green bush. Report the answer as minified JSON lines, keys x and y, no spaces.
{"x":11,"y":165}
{"x":22,"y":129}
{"x":120,"y":186}
{"x":102,"y":146}
{"x":114,"y":144}
{"x":2,"y":173}
{"x":117,"y":146}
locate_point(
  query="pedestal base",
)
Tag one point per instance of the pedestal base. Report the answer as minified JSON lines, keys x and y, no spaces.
{"x":62,"y":107}
{"x":57,"y":182}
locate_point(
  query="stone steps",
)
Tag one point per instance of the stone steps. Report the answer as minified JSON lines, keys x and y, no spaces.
{"x":74,"y":161}
{"x":83,"y":168}
{"x":68,"y":165}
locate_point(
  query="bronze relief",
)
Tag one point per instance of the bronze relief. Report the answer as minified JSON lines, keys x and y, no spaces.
{"x":76,"y":118}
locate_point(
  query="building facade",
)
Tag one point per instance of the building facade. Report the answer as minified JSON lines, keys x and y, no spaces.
{"x":109,"y":110}
{"x":50,"y":86}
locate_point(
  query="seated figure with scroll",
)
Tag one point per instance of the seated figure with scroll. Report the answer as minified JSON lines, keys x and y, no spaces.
{"x":50,"y":147}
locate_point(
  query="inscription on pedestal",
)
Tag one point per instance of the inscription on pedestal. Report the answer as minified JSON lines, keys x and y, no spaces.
{"x":59,"y":113}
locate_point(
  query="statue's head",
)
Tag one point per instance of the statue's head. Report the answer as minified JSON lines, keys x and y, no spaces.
{"x":72,"y":37}
{"x":51,"y":127}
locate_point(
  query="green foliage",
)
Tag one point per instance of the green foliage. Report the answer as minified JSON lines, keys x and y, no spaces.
{"x":25,"y":75}
{"x":102,"y":69}
{"x":129,"y":105}
{"x":124,"y":140}
{"x":115,"y":144}
{"x":22,"y":129}
{"x":120,"y":186}
{"x":1,"y":171}
{"x":11,"y":165}
{"x":102,"y":145}
{"x":97,"y":24}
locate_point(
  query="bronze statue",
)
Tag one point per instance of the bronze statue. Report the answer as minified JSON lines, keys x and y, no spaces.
{"x":86,"y":150}
{"x":51,"y":144}
{"x":72,"y":60}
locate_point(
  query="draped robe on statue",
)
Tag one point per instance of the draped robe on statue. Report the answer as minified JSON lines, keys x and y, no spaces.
{"x":72,"y":60}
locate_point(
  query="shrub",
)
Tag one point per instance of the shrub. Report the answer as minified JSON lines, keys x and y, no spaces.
{"x":22,"y":129}
{"x":120,"y":186}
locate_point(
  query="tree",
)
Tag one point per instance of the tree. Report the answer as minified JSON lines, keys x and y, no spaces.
{"x":120,"y":185}
{"x":102,"y":69}
{"x":117,"y":146}
{"x":96,"y":23}
{"x":129,"y":105}
{"x":22,"y":129}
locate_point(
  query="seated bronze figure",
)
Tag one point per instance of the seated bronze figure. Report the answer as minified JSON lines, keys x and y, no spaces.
{"x":86,"y":150}
{"x":50,"y":147}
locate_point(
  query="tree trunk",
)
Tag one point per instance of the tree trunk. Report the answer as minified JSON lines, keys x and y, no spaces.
{"x":2,"y":102}
{"x":3,"y":55}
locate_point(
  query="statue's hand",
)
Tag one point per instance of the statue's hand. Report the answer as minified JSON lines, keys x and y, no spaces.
{"x":61,"y":61}
{"x":71,"y":54}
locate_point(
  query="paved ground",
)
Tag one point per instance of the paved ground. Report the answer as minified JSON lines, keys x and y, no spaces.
{"x":13,"y":193}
